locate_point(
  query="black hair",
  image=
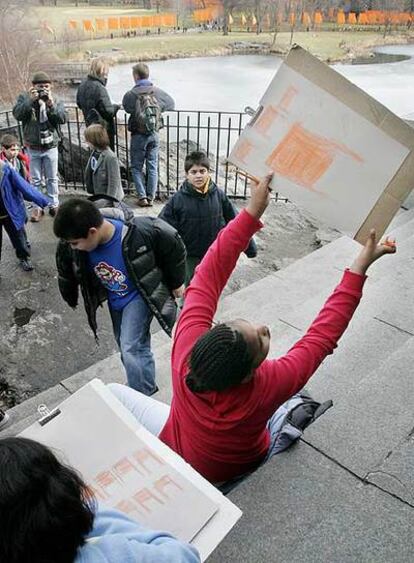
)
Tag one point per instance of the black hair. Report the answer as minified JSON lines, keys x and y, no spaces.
{"x":196,"y":158}
{"x":75,"y":217}
{"x":219,"y":359}
{"x":46,"y":509}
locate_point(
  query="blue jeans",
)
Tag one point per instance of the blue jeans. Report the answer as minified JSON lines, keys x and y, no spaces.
{"x":145,"y":148}
{"x":132,"y":332}
{"x":45,"y":163}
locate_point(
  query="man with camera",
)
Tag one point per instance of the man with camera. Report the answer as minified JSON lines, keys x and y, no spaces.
{"x":41,"y":116}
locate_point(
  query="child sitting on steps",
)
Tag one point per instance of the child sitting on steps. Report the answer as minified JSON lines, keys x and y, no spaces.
{"x":230,"y":403}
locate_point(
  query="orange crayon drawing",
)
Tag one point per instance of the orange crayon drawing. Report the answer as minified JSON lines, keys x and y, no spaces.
{"x":266,"y":119}
{"x":127,"y":507}
{"x":287,"y":98}
{"x":99,"y":493}
{"x":304,"y":157}
{"x":163,"y":482}
{"x":243,"y":149}
{"x":123,"y":467}
{"x":142,"y":456}
{"x":270,"y":113}
{"x":145,"y":495}
{"x":106,"y":479}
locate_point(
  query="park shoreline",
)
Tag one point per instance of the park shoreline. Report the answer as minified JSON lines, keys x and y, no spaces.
{"x":351,"y":51}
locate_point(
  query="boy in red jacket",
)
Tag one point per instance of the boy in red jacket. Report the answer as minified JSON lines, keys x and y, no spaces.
{"x":11,"y":153}
{"x":230,"y":403}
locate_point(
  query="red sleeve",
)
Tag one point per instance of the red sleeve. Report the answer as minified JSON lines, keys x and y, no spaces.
{"x":282,"y":378}
{"x":210,"y":277}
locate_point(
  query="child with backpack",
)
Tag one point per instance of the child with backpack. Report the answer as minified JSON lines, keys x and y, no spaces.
{"x":199,"y":210}
{"x":145,"y":103}
{"x":232,"y":407}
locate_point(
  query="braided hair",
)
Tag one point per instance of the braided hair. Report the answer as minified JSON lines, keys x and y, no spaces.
{"x":220,"y":359}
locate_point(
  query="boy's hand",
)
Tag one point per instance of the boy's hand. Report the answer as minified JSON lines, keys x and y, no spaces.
{"x":260,"y":196}
{"x":371,"y":252}
{"x":179,"y":292}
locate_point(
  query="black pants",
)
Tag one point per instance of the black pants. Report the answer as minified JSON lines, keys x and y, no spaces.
{"x":18,"y":238}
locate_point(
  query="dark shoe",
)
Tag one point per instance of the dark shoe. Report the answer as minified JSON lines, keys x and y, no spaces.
{"x":53,"y":211}
{"x":150,"y":203}
{"x":4,"y":419}
{"x":143,"y":202}
{"x":26,"y":265}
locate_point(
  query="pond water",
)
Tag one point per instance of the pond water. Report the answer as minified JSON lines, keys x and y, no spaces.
{"x":233,"y":82}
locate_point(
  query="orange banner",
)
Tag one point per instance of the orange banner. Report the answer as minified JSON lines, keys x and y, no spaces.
{"x":317,"y":18}
{"x":73,"y":24}
{"x":100,"y":24}
{"x":340,"y":18}
{"x":125,"y":22}
{"x":87,"y":25}
{"x":113,"y":23}
{"x":352,"y":18}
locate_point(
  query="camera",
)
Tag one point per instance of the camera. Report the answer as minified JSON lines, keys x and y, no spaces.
{"x":43,"y":94}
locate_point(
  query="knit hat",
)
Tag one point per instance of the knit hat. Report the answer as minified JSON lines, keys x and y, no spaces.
{"x":40,"y":78}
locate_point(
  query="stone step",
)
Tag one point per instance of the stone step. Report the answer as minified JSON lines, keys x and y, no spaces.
{"x":300,"y":507}
{"x":25,"y":414}
{"x":370,"y":421}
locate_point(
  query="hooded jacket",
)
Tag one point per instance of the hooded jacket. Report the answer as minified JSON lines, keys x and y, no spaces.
{"x":200,"y":217}
{"x":14,"y":190}
{"x":115,"y":538}
{"x":27,"y":111}
{"x":154,"y":256}
{"x":129,"y":101}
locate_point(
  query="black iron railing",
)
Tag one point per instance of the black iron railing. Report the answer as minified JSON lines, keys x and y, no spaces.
{"x":184,"y":131}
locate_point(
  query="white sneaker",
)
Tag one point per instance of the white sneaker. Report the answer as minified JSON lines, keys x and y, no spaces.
{"x":4,"y":419}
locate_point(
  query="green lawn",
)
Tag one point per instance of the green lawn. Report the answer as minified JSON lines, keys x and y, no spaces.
{"x":326,"y":45}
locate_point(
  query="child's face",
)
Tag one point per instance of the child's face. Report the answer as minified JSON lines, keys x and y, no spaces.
{"x":11,"y":152}
{"x":197,"y":175}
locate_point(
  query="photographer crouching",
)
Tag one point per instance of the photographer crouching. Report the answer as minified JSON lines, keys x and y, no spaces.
{"x":41,"y":116}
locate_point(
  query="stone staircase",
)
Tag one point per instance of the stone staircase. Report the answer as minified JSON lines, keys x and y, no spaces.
{"x":346,"y":491}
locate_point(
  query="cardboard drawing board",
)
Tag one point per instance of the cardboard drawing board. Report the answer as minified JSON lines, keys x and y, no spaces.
{"x":134,"y":472}
{"x":335,"y":151}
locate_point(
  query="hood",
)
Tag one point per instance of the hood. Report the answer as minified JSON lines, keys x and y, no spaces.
{"x":102,"y":80}
{"x":189,"y":189}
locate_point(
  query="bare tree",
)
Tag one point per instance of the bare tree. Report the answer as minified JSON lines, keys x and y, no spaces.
{"x":19,"y":50}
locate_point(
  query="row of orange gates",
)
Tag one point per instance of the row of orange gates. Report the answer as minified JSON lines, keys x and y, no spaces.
{"x":169,"y":20}
{"x":128,"y":23}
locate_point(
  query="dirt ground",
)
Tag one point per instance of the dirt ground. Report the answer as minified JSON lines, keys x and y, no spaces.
{"x":43,"y":341}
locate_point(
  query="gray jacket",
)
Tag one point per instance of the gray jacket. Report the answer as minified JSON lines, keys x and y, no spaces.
{"x":27,"y":111}
{"x":129,"y":101}
{"x":105,"y":180}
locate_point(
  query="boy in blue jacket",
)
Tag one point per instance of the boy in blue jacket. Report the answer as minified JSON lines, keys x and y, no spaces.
{"x":199,"y":210}
{"x":13,"y":191}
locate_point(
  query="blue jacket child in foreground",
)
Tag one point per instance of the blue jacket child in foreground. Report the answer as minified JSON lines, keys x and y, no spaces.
{"x":13,"y":191}
{"x":47,"y":513}
{"x":199,"y":210}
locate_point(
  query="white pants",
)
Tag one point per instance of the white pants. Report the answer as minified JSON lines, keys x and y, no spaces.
{"x":152,"y":414}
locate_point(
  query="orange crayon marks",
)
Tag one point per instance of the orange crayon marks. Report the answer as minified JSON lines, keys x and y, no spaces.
{"x":287,"y":98}
{"x":243,"y":149}
{"x":268,"y":116}
{"x":270,"y":113}
{"x":145,"y":496}
{"x":165,"y":482}
{"x":304,"y":157}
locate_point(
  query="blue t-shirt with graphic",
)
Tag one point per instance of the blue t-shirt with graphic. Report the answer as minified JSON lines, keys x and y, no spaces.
{"x":108,"y":264}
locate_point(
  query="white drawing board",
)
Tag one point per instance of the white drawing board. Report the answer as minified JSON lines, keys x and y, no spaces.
{"x":327,"y":156}
{"x":132,"y":471}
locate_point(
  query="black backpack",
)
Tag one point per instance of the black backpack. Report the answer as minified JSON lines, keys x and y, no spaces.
{"x":148,"y":113}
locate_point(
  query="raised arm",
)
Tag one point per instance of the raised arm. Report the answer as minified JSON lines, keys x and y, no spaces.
{"x":211,"y":275}
{"x":285,"y":376}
